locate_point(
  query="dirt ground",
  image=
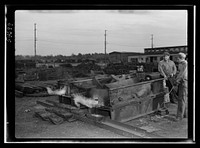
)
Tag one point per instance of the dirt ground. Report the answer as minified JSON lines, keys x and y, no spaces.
{"x":29,"y":126}
{"x":165,"y":126}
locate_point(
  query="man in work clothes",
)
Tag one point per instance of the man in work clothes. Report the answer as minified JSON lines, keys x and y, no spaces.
{"x":167,"y":69}
{"x":182,"y":82}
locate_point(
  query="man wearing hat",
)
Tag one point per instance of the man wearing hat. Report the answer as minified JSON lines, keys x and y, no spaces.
{"x":181,"y":82}
{"x":167,"y":69}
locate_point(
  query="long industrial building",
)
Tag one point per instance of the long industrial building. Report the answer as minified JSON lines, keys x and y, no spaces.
{"x":156,"y":54}
{"x":150,"y":55}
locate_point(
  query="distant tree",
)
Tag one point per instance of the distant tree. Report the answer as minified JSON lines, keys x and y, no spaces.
{"x":27,"y":57}
{"x":73,"y":55}
{"x":79,"y":60}
{"x":79,"y":56}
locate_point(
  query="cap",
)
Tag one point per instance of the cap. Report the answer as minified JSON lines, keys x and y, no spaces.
{"x":166,"y":53}
{"x":182,"y":55}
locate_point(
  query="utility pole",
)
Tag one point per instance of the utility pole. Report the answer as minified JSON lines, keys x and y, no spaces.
{"x":35,"y":39}
{"x":105,"y":44}
{"x":152,"y":41}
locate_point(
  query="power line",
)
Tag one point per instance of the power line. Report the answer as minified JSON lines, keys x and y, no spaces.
{"x":124,"y":45}
{"x":69,"y":33}
{"x":57,"y":42}
{"x":41,"y":40}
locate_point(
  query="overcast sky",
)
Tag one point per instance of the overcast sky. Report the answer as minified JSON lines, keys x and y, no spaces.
{"x":82,"y":31}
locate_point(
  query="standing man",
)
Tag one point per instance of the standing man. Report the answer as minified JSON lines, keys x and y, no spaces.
{"x":182,"y":82}
{"x":167,"y":69}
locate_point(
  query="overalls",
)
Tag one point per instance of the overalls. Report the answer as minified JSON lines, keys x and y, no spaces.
{"x":182,"y":90}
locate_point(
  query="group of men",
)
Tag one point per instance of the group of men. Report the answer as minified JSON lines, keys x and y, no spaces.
{"x":177,"y":82}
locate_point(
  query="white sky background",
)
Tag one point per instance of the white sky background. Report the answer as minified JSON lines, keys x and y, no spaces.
{"x":82,"y":31}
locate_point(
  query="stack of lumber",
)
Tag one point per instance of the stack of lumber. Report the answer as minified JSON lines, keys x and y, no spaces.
{"x":57,"y":113}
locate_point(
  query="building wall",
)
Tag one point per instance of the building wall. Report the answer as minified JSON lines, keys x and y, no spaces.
{"x":118,"y":56}
{"x":150,"y":55}
{"x":151,"y":58}
{"x":124,"y":57}
{"x":160,"y":50}
{"x":137,"y":58}
{"x":115,"y":57}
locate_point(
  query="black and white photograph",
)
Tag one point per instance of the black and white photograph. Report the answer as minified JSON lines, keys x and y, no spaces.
{"x":100,"y":74}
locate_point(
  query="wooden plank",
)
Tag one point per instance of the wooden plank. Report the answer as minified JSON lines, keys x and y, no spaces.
{"x":61,"y":105}
{"x":38,"y":95}
{"x":60,"y":112}
{"x":19,"y":81}
{"x":79,"y":81}
{"x":44,"y":104}
{"x":18,"y":93}
{"x":86,"y":87}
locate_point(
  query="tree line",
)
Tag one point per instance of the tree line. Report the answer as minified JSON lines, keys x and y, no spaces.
{"x":77,"y":57}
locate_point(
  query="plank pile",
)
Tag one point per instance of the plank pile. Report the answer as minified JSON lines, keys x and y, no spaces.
{"x":57,"y":113}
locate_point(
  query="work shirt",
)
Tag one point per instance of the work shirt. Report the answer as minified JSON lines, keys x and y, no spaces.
{"x":167,"y":68}
{"x":182,"y":68}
